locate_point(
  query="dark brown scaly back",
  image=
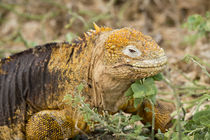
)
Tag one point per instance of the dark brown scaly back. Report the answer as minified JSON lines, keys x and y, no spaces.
{"x":24,"y":76}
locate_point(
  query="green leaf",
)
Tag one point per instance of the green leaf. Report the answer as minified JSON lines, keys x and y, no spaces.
{"x":203,"y":117}
{"x":207,"y":27}
{"x":207,"y":136}
{"x":140,"y":93}
{"x":208,"y":15}
{"x":68,"y":97}
{"x":149,"y":81}
{"x":150,"y":90}
{"x":136,"y":118}
{"x":200,"y":136}
{"x":191,"y":125}
{"x":138,"y":130}
{"x":80,"y":87}
{"x":129,"y":92}
{"x":191,"y":19}
{"x":149,"y":86}
{"x":138,"y":90}
{"x":158,"y":77}
{"x":153,"y":98}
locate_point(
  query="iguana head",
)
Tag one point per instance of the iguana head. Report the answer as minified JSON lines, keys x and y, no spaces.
{"x":119,"y":57}
{"x":129,"y":54}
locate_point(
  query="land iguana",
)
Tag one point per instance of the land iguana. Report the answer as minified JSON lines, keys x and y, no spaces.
{"x":34,"y":82}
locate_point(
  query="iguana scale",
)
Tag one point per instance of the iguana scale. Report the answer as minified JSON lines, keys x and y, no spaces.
{"x":34,"y":82}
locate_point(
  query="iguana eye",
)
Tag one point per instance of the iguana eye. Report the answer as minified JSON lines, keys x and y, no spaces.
{"x":131,"y":51}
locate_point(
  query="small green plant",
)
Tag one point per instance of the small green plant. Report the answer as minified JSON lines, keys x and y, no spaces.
{"x":119,"y":124}
{"x":199,"y":62}
{"x":199,"y":126}
{"x":200,"y":25}
{"x":143,"y":89}
{"x":196,"y":127}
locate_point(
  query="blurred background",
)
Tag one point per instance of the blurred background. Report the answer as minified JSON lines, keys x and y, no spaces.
{"x":26,"y":23}
{"x":181,"y":27}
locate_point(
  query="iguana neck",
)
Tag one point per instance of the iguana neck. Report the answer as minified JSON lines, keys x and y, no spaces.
{"x":107,"y":93}
{"x":73,"y":64}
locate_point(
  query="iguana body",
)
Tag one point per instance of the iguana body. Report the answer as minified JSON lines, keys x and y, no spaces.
{"x":34,"y":82}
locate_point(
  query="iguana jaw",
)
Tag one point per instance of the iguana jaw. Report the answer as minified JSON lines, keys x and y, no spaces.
{"x":137,"y":69}
{"x":144,"y":64}
{"x":152,"y":63}
{"x":115,"y":80}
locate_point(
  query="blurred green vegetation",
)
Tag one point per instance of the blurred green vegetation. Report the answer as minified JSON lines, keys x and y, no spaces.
{"x":201,"y":27}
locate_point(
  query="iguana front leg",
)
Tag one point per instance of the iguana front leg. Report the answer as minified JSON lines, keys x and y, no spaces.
{"x":54,"y":124}
{"x":162,"y":111}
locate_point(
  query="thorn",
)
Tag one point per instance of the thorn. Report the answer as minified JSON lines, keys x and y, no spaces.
{"x":92,"y":31}
{"x":86,"y":36}
{"x":89,"y":33}
{"x":97,"y":28}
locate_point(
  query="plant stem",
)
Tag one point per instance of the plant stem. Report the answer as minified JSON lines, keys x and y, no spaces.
{"x":178,"y":106}
{"x":153,"y":119}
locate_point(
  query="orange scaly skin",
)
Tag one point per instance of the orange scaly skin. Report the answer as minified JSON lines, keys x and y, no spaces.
{"x":34,"y":82}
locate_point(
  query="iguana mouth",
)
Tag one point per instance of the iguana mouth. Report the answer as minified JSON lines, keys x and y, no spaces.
{"x":152,"y":63}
